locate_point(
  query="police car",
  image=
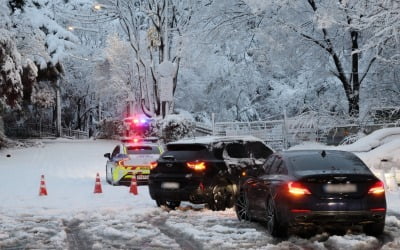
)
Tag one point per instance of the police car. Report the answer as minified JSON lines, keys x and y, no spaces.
{"x":131,"y":159}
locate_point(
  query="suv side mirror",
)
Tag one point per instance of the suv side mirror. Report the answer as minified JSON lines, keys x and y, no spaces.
{"x":107,"y":155}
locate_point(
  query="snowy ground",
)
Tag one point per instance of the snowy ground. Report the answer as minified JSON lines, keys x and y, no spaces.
{"x":73,"y":217}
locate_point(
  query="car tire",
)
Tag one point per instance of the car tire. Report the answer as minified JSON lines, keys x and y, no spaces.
{"x":276,"y":225}
{"x":374,"y":229}
{"x":168,"y":204}
{"x":221,"y":196}
{"x":108,"y":177}
{"x":242,"y":207}
{"x":112,"y":179}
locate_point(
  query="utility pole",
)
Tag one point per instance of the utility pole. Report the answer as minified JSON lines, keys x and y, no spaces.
{"x":58,"y":106}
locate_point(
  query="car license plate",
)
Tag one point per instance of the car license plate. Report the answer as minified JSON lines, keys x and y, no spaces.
{"x":170,"y":185}
{"x":340,"y":188}
{"x":142,"y":177}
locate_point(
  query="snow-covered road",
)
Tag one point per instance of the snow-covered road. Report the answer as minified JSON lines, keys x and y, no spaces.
{"x":73,"y":217}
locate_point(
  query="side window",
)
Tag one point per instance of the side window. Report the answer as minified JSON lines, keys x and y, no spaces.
{"x":282,"y":169}
{"x":115,"y":152}
{"x":258,"y":150}
{"x":267,"y":164}
{"x":276,"y":165}
{"x":236,"y":150}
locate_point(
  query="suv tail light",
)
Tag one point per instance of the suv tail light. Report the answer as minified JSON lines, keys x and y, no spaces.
{"x":296,"y":188}
{"x":196,"y":165}
{"x":377,"y":188}
{"x":153,"y":165}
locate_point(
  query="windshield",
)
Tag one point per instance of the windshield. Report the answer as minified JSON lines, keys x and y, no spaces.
{"x":133,"y":150}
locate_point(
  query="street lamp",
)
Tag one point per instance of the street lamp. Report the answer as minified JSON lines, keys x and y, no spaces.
{"x":97,"y":6}
{"x":72,"y":28}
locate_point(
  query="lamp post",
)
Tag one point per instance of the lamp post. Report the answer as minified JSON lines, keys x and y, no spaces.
{"x":73,"y":28}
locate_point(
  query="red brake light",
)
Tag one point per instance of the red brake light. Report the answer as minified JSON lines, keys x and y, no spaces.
{"x":377,"y":188}
{"x":196,"y":165}
{"x":379,"y":209}
{"x":297,"y":188}
{"x":153,"y":165}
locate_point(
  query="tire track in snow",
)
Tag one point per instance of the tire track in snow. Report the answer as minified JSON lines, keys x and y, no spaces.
{"x":76,"y":239}
{"x":185,"y":242}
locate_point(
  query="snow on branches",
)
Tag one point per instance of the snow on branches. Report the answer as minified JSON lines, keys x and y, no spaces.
{"x":10,"y":71}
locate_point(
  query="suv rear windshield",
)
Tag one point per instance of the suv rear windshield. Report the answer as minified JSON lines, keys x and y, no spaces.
{"x":134,"y":150}
{"x":187,"y":151}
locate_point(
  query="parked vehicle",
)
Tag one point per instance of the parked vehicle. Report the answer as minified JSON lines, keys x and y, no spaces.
{"x":313,"y":189}
{"x":204,"y":170}
{"x":131,"y":159}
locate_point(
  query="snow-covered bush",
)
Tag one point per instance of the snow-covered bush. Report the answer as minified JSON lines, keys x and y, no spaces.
{"x":110,"y":129}
{"x":172,"y":128}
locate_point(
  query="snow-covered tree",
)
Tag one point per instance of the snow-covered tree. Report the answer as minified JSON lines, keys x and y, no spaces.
{"x":332,"y":30}
{"x":153,"y":28}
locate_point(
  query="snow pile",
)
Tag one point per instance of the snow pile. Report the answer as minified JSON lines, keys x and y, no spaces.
{"x":173,"y":127}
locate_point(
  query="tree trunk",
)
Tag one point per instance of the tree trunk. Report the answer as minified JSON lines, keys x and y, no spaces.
{"x":354,"y":99}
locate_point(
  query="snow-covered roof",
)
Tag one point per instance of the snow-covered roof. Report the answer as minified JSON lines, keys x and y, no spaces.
{"x":215,"y":139}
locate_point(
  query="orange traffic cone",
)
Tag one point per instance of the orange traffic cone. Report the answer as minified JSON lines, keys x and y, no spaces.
{"x":133,"y":188}
{"x":42,"y":190}
{"x":97,"y":185}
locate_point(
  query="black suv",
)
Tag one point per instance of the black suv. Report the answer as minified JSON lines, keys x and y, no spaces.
{"x":205,"y":170}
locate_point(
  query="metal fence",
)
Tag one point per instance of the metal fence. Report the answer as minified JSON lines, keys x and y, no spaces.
{"x":281,"y":134}
{"x":38,"y":130}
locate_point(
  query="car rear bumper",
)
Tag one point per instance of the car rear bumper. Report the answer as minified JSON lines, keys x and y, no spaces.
{"x":140,"y":180}
{"x":182,"y":189}
{"x":345,"y":218}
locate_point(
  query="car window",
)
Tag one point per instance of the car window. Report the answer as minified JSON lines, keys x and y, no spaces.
{"x":282,"y":170}
{"x":236,"y":150}
{"x":132,"y":150}
{"x":268,"y":163}
{"x":187,"y":152}
{"x":258,"y":150}
{"x":115,"y":151}
{"x":275,"y":166}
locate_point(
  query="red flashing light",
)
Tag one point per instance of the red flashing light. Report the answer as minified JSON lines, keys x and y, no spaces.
{"x":135,"y":121}
{"x":297,"y":189}
{"x":196,"y":165}
{"x":135,"y":140}
{"x":377,"y":188}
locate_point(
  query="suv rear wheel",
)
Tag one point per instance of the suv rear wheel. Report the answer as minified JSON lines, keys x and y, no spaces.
{"x":374,"y":229}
